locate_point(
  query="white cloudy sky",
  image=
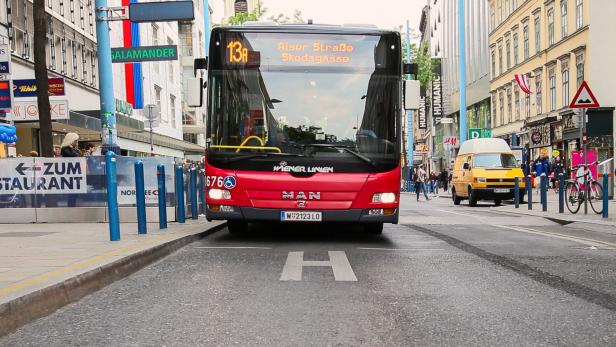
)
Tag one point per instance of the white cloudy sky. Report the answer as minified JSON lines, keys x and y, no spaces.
{"x":386,"y":14}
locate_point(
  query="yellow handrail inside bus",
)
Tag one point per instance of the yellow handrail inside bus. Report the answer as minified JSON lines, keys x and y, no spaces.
{"x":251,"y":138}
{"x":275,"y":149}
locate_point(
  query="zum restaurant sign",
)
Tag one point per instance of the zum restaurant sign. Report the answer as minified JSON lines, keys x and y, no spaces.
{"x":540,"y":136}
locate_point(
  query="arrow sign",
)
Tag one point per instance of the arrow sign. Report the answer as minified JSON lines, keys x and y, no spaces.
{"x":22,"y":168}
{"x":584,"y":98}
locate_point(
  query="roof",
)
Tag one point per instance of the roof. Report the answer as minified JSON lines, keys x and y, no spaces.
{"x":484,"y":146}
{"x":357,"y":29}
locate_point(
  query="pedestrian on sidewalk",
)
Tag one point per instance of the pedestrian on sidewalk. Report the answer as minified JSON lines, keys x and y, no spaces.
{"x":557,"y":169}
{"x":444,"y":180}
{"x":69,"y":145}
{"x":420,"y":183}
{"x":542,"y":169}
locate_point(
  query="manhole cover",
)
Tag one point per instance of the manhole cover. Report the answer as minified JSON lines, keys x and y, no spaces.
{"x":25,"y":234}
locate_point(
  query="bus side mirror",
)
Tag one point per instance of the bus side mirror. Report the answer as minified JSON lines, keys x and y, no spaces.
{"x":411,"y":95}
{"x":194,"y":92}
{"x":467,"y":166}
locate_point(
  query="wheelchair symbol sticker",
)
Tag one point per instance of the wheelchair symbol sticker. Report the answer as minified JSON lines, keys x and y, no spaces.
{"x":229,"y":182}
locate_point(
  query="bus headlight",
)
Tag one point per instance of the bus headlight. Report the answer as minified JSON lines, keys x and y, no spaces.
{"x":219,"y":194}
{"x":384,"y":198}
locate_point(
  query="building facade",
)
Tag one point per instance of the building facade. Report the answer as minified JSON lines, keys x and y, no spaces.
{"x":557,"y":45}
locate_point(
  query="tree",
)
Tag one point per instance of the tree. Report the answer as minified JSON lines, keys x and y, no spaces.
{"x":425,"y":64}
{"x":284,"y":19}
{"x":242,"y":17}
{"x":40,"y":74}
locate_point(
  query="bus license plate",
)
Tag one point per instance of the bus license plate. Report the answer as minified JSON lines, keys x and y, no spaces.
{"x":300,"y":216}
{"x":502,"y":190}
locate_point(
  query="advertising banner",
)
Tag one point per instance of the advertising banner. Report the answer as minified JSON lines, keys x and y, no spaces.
{"x":27,"y":110}
{"x":27,"y":88}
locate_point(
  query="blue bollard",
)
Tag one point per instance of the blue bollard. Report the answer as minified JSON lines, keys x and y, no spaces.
{"x":561,"y":193}
{"x":112,"y":196}
{"x":544,"y":193}
{"x":529,"y":191}
{"x":194,"y":204}
{"x":202,"y":191}
{"x":162,"y":197}
{"x":605,"y":188}
{"x":179,"y":193}
{"x":142,"y":225}
{"x":516,"y":189}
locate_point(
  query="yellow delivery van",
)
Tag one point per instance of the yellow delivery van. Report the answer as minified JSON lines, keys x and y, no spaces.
{"x":485,"y":169}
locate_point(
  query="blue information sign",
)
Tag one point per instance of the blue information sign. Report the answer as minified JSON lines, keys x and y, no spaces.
{"x":165,"y":11}
{"x":4,"y":67}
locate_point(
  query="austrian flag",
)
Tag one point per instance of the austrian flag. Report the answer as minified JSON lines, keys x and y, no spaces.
{"x":523,"y":83}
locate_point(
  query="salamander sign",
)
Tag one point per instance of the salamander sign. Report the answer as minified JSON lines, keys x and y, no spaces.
{"x":44,"y":176}
{"x":144,"y":53}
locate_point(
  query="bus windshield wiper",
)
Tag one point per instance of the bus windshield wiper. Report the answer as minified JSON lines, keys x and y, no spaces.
{"x":261,"y":155}
{"x":346,"y":149}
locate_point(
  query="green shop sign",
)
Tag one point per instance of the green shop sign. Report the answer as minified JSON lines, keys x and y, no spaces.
{"x":144,"y":53}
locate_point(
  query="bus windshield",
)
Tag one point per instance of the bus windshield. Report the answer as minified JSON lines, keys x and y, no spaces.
{"x":318,"y":96}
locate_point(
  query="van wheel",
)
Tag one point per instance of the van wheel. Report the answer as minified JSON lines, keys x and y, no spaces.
{"x":472,"y":198}
{"x":456,"y":199}
{"x":237,"y":226}
{"x":497,"y":202}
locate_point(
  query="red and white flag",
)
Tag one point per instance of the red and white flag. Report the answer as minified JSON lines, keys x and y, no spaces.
{"x":523,"y":83}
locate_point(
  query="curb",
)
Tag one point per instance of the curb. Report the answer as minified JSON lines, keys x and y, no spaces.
{"x":43,"y":302}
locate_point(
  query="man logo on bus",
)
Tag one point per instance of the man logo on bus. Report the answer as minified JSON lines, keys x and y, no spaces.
{"x":229,"y":182}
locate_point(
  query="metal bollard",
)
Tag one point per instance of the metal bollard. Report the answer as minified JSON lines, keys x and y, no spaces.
{"x":162,"y":197}
{"x":561,"y":193}
{"x":194,"y":204}
{"x":605,"y":195}
{"x":544,"y":193}
{"x":516,"y":189}
{"x":529,"y":191}
{"x":142,"y":226}
{"x":202,"y":191}
{"x":179,"y":193}
{"x":112,"y":196}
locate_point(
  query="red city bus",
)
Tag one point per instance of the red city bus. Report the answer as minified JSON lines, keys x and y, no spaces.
{"x":304,"y":125}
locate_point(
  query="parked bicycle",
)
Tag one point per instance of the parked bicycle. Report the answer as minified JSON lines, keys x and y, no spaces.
{"x":576,"y":194}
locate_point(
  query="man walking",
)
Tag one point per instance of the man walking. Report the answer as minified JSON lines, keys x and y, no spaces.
{"x":420,"y":183}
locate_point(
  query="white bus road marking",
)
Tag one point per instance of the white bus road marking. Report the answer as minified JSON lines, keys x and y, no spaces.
{"x":338,"y":261}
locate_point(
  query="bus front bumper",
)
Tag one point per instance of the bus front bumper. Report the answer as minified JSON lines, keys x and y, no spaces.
{"x":252,"y":214}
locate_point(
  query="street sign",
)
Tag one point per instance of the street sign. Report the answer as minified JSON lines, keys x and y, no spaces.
{"x":27,"y":88}
{"x":152,"y":114}
{"x":44,"y":176}
{"x":584,"y":98}
{"x":144,"y":53}
{"x":421,"y":148}
{"x":27,"y":110}
{"x":487,"y":133}
{"x":165,"y":11}
{"x":474,"y":133}
{"x":5,"y":59}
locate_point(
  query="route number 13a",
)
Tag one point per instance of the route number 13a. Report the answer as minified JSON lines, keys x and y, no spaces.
{"x":237,"y":52}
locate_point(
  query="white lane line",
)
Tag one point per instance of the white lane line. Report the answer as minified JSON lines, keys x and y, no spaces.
{"x":581,"y":240}
{"x":230,"y":247}
{"x":338,"y":261}
{"x":462,"y":214}
{"x":399,"y":249}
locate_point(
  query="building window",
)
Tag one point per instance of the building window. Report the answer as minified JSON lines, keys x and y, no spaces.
{"x":493,"y":102}
{"x":155,"y":43}
{"x":172,"y":110}
{"x":170,"y":65}
{"x":500,"y":11}
{"x":74,"y":51}
{"x":514,"y":5}
{"x":72,"y":8}
{"x":493,"y":64}
{"x":579,"y":69}
{"x":52,"y":45}
{"x":579,"y":14}
{"x":508,"y":54}
{"x":527,"y":105}
{"x":538,"y":95}
{"x":84,"y":65}
{"x":63,"y":48}
{"x":500,"y":60}
{"x":492,"y":18}
{"x":81,"y":17}
{"x":525,"y":38}
{"x":94,"y":58}
{"x":552,"y":81}
{"x":537,"y":34}
{"x":563,"y":18}
{"x":501,"y":104}
{"x":565,"y":79}
{"x":507,"y":8}
{"x":515,"y":49}
{"x":91,"y":17}
{"x":157,"y":92}
{"x":517,"y":104}
{"x":509,"y":108}
{"x":550,"y":27}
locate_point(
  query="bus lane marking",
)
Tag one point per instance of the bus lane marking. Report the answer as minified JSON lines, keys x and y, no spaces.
{"x":338,"y":261}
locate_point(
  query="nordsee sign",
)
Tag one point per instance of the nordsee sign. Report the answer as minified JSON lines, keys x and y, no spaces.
{"x":144,"y":53}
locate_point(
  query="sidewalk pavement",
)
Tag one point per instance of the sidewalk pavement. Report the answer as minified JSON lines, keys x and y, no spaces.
{"x":552,"y":212}
{"x":46,"y":266}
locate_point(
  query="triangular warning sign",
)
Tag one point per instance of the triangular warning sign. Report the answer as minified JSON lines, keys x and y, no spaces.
{"x":584,"y":98}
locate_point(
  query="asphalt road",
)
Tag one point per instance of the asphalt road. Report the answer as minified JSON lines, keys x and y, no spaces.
{"x":444,"y":276}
